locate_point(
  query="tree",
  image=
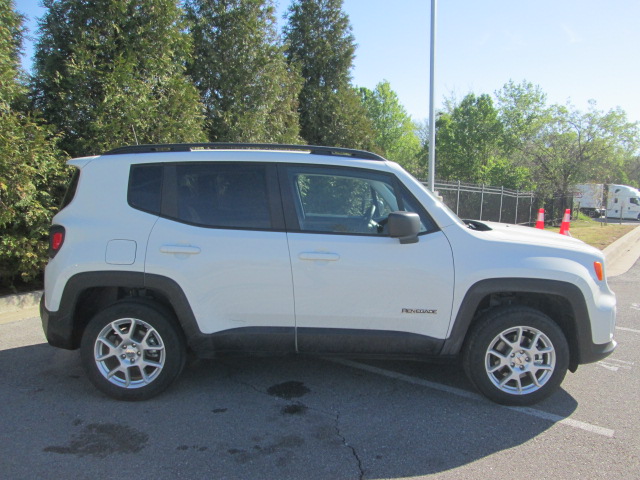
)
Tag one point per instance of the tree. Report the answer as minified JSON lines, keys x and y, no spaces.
{"x":249,"y":92}
{"x":470,"y":146}
{"x":395,"y":132}
{"x":320,"y":45}
{"x":32,"y":171}
{"x":576,"y":147}
{"x":523,"y":112}
{"x":112,"y":73}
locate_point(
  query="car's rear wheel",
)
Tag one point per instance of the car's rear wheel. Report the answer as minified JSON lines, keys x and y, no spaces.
{"x":516,"y":355}
{"x":133,"y":350}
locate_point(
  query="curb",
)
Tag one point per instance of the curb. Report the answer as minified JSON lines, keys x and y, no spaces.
{"x":622,"y":254}
{"x":22,"y":301}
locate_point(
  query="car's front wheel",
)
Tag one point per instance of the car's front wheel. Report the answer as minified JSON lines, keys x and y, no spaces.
{"x":133,"y":350}
{"x":516,"y":355}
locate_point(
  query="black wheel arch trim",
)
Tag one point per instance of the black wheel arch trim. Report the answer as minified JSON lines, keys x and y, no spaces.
{"x":59,"y":326}
{"x":582,"y":346}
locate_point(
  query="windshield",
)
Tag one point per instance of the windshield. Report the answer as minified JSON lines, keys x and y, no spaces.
{"x":437,"y":199}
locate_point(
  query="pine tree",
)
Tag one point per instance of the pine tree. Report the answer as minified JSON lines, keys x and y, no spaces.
{"x":320,"y":44}
{"x":111,"y":72}
{"x":32,"y":170}
{"x":249,"y":92}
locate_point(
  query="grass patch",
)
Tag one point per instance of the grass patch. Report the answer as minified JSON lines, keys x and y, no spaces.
{"x":597,"y":234}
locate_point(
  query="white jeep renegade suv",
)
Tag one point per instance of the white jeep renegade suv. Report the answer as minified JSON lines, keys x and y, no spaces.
{"x":314,"y":250}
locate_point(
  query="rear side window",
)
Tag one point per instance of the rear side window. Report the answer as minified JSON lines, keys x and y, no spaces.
{"x":145,"y":188}
{"x":223,"y":195}
{"x":71,"y":189}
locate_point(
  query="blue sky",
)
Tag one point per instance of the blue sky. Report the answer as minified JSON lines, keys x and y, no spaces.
{"x":575,"y":50}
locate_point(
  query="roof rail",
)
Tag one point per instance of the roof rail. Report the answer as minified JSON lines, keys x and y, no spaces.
{"x":187,"y":147}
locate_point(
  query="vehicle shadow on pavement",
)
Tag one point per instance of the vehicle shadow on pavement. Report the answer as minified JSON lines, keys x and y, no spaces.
{"x":246,"y":417}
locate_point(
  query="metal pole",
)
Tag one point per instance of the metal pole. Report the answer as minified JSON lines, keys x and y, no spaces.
{"x":432,"y":110}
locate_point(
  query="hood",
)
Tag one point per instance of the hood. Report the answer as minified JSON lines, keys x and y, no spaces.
{"x":503,"y":232}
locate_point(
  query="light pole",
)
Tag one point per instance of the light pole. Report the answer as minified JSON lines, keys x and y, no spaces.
{"x":432,"y":109}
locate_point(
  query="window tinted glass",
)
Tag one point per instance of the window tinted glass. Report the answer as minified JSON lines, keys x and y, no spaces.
{"x":332,"y":201}
{"x":145,"y":187}
{"x":71,"y":189}
{"x":223,"y":195}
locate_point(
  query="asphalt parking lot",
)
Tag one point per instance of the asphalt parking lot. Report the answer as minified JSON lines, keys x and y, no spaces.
{"x":315,"y":418}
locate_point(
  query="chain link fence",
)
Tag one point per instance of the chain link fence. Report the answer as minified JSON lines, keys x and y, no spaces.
{"x":494,"y":204}
{"x":499,"y":204}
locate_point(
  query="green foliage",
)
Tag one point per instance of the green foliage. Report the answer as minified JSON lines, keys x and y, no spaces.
{"x":11,"y":33}
{"x":112,"y":72}
{"x":523,"y":111}
{"x":470,"y":145}
{"x":575,"y":147}
{"x":319,"y":44}
{"x":395,"y":132}
{"x":32,"y":172}
{"x":249,"y":92}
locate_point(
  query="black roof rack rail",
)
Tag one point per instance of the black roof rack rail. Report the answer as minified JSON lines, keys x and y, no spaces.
{"x":187,"y":147}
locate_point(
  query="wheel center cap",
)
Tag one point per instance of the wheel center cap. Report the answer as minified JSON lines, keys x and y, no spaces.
{"x":130,"y":352}
{"x":520,"y":360}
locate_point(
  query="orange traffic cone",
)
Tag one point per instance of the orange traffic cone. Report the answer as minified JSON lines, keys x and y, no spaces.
{"x":540,"y":222}
{"x":564,"y":227}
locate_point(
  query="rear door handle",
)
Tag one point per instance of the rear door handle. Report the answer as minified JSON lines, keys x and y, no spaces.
{"x":188,"y":249}
{"x":319,"y":256}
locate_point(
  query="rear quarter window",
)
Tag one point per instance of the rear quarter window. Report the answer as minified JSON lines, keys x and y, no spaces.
{"x":145,"y":188}
{"x":71,"y":189}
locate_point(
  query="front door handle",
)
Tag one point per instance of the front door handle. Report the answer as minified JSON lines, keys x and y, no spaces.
{"x":185,"y":249}
{"x":319,"y":256}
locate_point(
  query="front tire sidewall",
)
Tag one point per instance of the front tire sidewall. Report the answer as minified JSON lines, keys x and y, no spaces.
{"x":160,"y":320}
{"x":491,"y":325}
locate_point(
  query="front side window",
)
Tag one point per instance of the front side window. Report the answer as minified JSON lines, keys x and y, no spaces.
{"x":223,"y":195}
{"x":337,"y":201}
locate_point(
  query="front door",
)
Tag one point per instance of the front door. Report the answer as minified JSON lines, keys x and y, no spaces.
{"x":356,"y":289}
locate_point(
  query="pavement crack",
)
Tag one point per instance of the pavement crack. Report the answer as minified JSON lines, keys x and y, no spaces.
{"x":350,"y":447}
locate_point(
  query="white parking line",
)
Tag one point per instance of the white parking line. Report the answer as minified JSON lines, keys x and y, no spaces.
{"x":627,"y":329}
{"x":606,"y":432}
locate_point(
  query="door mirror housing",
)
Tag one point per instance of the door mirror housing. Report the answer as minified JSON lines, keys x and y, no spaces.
{"x":404,"y":226}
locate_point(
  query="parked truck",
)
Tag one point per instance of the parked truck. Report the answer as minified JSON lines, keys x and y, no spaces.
{"x":623,"y":202}
{"x":589,"y":199}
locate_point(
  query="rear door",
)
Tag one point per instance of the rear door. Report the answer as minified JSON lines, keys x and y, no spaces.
{"x":357,"y":289}
{"x":221,"y":238}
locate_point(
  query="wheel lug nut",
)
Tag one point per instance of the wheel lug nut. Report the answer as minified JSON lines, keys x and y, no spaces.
{"x":123,"y":356}
{"x":513,"y":364}
{"x":132,"y":360}
{"x":139,"y":353}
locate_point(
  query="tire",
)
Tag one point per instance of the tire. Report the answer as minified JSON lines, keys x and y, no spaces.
{"x":133,"y":350}
{"x":516,"y":355}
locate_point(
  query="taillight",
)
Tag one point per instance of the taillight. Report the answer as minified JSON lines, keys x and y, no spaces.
{"x":56,"y":240}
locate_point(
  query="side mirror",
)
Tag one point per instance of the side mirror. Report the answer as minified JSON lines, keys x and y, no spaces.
{"x":404,"y":226}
